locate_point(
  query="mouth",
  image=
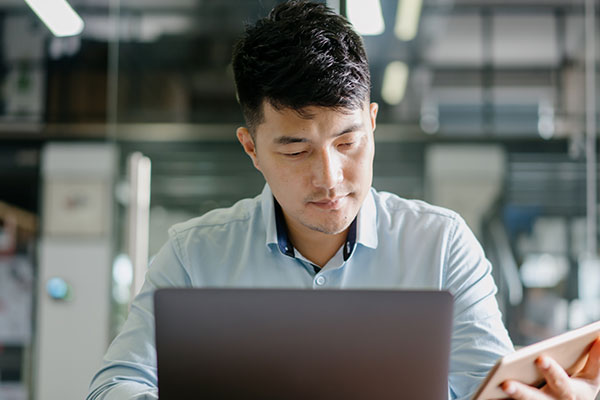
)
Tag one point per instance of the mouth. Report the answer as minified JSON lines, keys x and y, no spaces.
{"x":334,"y":203}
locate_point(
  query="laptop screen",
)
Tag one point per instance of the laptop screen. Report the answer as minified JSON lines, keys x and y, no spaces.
{"x":271,"y":343}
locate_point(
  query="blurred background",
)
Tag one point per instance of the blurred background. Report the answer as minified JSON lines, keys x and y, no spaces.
{"x":118,"y":117}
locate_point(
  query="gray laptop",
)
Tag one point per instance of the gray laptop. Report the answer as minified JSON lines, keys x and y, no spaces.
{"x":302,"y":344}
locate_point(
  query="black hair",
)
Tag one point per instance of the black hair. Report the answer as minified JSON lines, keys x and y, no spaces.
{"x":302,"y":54}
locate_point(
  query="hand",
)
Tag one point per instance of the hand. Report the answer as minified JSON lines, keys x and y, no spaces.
{"x":584,"y":385}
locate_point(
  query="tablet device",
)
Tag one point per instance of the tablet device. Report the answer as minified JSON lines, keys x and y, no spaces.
{"x":302,"y":344}
{"x":568,"y":349}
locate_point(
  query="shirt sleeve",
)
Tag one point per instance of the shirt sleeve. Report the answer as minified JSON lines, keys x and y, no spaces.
{"x":129,"y":366}
{"x":479,"y":337}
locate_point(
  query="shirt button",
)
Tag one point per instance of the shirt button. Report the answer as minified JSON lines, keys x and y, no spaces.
{"x":321,"y":280}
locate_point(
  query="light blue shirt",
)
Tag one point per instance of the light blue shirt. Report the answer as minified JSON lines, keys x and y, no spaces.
{"x":398,"y":244}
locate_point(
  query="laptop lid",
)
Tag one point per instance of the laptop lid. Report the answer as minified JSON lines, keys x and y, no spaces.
{"x":302,"y":344}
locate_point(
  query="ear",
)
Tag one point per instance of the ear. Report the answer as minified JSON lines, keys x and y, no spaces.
{"x":373,"y":108}
{"x":245,"y":139}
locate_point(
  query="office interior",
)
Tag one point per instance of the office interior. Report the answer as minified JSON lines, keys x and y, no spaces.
{"x":125,"y":125}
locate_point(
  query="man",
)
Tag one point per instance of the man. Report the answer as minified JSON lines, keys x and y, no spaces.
{"x":303,"y":83}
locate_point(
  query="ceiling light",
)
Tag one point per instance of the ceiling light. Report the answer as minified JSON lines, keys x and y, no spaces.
{"x":407,"y":19}
{"x":395,"y":79}
{"x":366,"y":16}
{"x":58,"y":16}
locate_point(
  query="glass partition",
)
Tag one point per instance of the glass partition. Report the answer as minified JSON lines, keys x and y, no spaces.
{"x":483,"y":109}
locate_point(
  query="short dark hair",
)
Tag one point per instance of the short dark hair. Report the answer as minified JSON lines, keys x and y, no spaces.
{"x":302,"y":54}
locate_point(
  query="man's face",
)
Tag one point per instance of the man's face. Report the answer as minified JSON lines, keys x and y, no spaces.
{"x":320,"y":168}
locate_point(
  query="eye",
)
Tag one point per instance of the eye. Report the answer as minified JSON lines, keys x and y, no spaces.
{"x":346,"y":145}
{"x":294,"y":155}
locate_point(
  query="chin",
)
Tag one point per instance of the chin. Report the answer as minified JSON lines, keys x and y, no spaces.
{"x":330,"y":227}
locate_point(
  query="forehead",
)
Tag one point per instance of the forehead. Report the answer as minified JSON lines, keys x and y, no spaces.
{"x":307,"y":119}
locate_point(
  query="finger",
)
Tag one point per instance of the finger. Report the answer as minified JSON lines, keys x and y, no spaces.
{"x":591,"y":370}
{"x":520,"y":391}
{"x":556,"y":377}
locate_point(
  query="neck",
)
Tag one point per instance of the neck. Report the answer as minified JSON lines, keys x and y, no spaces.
{"x":316,"y":246}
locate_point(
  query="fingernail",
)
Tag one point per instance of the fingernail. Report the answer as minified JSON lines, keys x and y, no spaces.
{"x":509,"y":388}
{"x":543,"y":362}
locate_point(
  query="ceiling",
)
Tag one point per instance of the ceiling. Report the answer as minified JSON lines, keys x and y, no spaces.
{"x":476,"y":67}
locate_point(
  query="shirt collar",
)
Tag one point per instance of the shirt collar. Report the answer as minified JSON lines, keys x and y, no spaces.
{"x":268,"y":212}
{"x":363,"y":229}
{"x":367,"y":222}
{"x":283,"y":241}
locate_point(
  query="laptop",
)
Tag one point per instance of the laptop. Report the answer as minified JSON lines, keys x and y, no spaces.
{"x":302,"y":344}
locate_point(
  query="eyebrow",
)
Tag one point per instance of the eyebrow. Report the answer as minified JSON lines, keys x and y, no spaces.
{"x":283,"y":140}
{"x":289,"y":139}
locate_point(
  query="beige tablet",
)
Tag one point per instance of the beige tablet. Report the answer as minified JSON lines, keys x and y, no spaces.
{"x":568,"y":349}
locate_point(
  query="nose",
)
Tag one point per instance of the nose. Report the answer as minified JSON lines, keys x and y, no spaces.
{"x":327,"y":170}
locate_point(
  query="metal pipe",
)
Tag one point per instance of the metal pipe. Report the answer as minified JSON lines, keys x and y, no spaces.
{"x":112,"y":95}
{"x":139,"y":168}
{"x":590,"y":127}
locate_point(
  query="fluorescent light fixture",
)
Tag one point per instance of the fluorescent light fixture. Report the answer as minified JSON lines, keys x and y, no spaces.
{"x":407,"y":19}
{"x":366,"y":16}
{"x":58,"y":16}
{"x":395,"y":79}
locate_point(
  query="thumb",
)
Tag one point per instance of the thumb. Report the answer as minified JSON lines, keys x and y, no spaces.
{"x":591,"y":370}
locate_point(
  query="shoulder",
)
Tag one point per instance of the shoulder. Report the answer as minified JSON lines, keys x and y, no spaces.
{"x":238,"y":216}
{"x":393,"y":206}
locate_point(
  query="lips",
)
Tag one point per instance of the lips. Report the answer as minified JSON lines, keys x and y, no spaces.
{"x":329,"y":204}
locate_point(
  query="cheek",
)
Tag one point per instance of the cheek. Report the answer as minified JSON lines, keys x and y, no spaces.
{"x":294,"y":173}
{"x":361,"y":168}
{"x":283,"y":179}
